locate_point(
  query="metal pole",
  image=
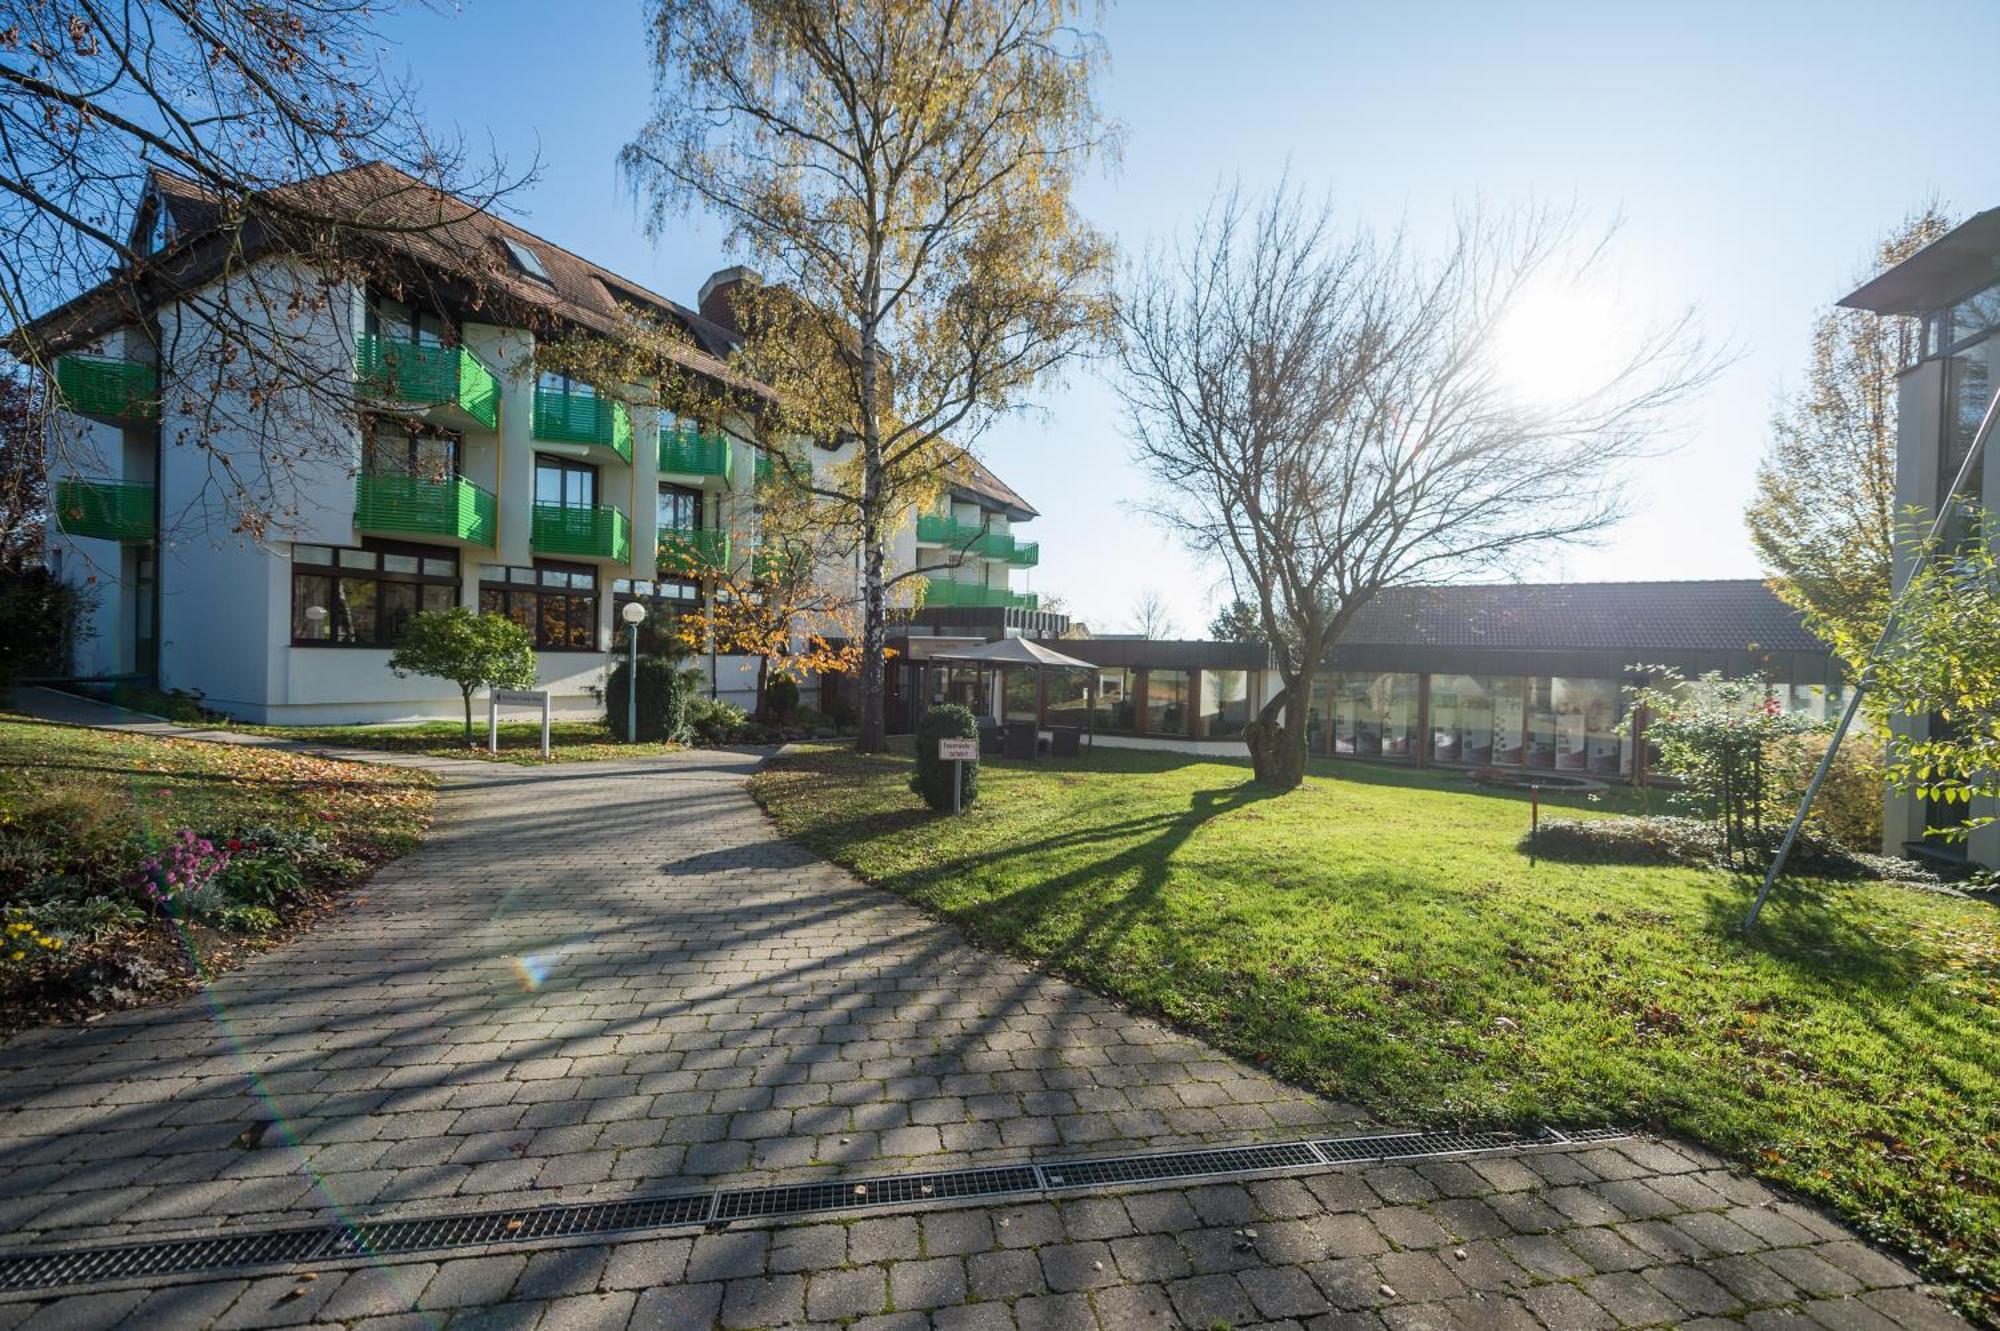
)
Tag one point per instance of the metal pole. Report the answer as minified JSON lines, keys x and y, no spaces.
{"x":1868,"y":670}
{"x":957,"y":787}
{"x":632,"y":684}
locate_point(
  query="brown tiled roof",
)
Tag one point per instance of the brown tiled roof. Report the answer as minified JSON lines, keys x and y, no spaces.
{"x":390,"y":209}
{"x":1732,"y":614}
{"x":451,"y":235}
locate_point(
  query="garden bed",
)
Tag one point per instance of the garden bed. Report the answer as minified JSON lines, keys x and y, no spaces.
{"x":133,"y":867}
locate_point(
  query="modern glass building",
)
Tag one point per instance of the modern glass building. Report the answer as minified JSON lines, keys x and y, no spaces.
{"x":1534,"y":676}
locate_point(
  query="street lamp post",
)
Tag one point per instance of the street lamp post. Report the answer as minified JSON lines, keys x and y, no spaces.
{"x":634,"y":614}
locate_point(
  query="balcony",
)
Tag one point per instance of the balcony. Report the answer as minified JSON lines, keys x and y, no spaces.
{"x":1025,"y":554}
{"x":941,"y":529}
{"x":445,"y":384}
{"x":699,"y":453}
{"x":601,"y":534}
{"x":944,"y":592}
{"x":117,"y":392}
{"x":775,"y":561}
{"x":690,"y":552}
{"x":108,"y":510}
{"x":455,"y":509}
{"x":583,"y":418}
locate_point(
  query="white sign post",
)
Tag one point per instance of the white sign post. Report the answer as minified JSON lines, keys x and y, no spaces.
{"x":497,"y":698}
{"x":958,"y":752}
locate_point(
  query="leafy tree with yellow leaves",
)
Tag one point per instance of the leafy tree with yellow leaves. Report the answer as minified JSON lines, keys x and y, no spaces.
{"x":903,"y":171}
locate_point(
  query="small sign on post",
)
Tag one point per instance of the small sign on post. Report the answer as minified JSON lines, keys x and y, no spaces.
{"x":498,"y":698}
{"x":958,"y":752}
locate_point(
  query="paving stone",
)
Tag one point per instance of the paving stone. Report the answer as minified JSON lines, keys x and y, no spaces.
{"x":1282,"y":1291}
{"x":763,"y":1301}
{"x":1568,"y":1307}
{"x":1055,"y":1312}
{"x":1206,"y":1300}
{"x":999,"y":1275}
{"x":678,"y":1305}
{"x":1073,"y":1266}
{"x":645,"y":1264}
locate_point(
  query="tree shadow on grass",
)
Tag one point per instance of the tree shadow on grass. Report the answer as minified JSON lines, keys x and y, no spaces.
{"x":1812,"y":929}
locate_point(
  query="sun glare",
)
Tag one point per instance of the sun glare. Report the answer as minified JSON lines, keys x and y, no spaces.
{"x":1562,"y":341}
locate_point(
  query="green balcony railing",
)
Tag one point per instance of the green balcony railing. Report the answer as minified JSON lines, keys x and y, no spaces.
{"x":448,"y":377}
{"x":584,"y":533}
{"x":690,"y":551}
{"x":945,"y":592}
{"x":776,"y":560}
{"x":108,"y":510}
{"x":939,"y":529}
{"x":1025,"y":554}
{"x":455,"y":508}
{"x":702,"y":453}
{"x":583,"y":418}
{"x":113,"y":390}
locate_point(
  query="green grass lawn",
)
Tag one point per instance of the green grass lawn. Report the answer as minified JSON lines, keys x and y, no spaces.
{"x":1379,"y":936}
{"x":520,"y":741}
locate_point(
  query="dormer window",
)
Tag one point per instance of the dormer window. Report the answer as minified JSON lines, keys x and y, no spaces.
{"x":527,"y":261}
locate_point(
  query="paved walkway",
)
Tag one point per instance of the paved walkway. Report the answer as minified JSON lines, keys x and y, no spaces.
{"x":597,"y":980}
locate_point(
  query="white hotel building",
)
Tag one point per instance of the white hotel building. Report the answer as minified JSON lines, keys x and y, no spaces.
{"x":457,"y":475}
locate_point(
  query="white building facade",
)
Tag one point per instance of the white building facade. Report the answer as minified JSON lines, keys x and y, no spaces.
{"x":461,"y":476}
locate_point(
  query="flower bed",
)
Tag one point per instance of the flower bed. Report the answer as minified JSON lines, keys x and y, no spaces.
{"x":133,"y":866}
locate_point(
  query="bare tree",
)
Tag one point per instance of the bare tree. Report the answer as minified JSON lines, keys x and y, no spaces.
{"x":1322,"y":413}
{"x":1150,"y":615}
{"x":24,"y":490}
{"x":904,"y":170}
{"x":175,"y":146}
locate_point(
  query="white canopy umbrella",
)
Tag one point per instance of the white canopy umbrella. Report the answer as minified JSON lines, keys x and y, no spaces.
{"x":1027,"y":652}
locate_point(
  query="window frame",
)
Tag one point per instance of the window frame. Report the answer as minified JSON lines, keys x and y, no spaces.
{"x":536,"y":590}
{"x":337,"y":569}
{"x":567,"y":466}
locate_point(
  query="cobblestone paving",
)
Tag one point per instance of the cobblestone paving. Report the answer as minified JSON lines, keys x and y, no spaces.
{"x":607,"y":979}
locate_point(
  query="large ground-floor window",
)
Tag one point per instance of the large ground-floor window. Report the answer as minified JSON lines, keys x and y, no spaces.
{"x":555,"y":602}
{"x":345,"y":597}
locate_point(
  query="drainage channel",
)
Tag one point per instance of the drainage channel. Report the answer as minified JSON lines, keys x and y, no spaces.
{"x":97,"y":1265}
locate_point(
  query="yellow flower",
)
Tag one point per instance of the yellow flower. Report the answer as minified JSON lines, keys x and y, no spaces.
{"x":17,"y":956}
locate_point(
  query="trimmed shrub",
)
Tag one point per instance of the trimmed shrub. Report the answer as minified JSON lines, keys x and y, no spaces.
{"x":1848,"y":811}
{"x":1698,"y":843}
{"x":715,"y":721}
{"x":932,"y":779}
{"x":42,"y":619}
{"x":665,"y":700}
{"x":781,"y":698}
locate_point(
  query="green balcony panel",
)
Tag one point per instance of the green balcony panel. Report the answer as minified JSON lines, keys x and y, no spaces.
{"x":939,"y":529}
{"x":116,"y":391}
{"x":1025,"y":554}
{"x":583,"y":418}
{"x":771,"y":561}
{"x":689,"y":551}
{"x":761,"y":468}
{"x":945,"y":592}
{"x":448,"y":380}
{"x":685,"y":452}
{"x":582,"y":533}
{"x":456,"y":508}
{"x":108,"y":510}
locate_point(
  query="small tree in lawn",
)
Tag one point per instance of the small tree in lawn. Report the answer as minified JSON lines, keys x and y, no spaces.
{"x":471,"y":650}
{"x":1717,"y":735}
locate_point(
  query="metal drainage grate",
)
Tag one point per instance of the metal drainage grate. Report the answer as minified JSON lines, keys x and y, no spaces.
{"x":1183,"y":1164}
{"x":235,"y":1252}
{"x":849,"y":1194}
{"x":93,"y":1266}
{"x":1421,"y":1145}
{"x":545,"y":1222}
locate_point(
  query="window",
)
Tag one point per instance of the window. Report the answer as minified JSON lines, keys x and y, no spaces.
{"x":529,"y":262}
{"x":1225,"y":703}
{"x":395,"y":321}
{"x":552,"y":382}
{"x":564,"y":482}
{"x":1020,"y":697}
{"x":398,"y":450}
{"x":679,"y":508}
{"x":556,"y":603}
{"x":1476,"y":720}
{"x":1117,"y":706}
{"x":664,"y":600}
{"x":1167,"y":702}
{"x":343,"y":597}
{"x":1374,"y":715}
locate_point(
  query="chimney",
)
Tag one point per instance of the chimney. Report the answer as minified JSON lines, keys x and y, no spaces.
{"x":717,"y":301}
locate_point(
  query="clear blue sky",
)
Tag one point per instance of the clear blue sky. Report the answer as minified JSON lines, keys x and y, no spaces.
{"x":1753,"y":153}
